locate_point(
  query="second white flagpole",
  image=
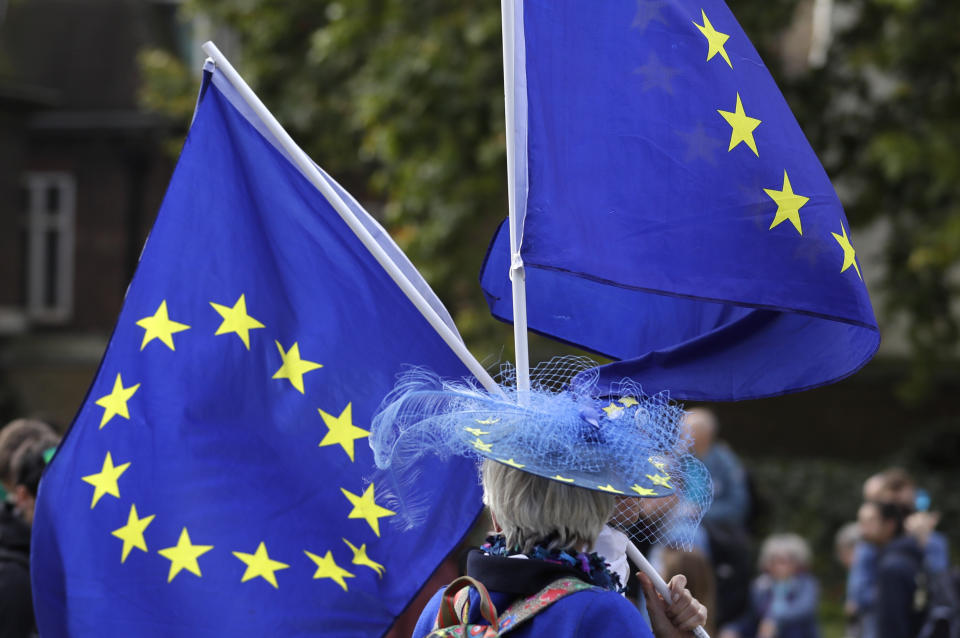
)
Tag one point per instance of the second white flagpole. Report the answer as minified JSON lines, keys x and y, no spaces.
{"x":517,"y":274}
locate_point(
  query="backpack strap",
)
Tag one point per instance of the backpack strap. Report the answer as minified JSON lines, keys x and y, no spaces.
{"x":526,"y":608}
{"x":455,"y":608}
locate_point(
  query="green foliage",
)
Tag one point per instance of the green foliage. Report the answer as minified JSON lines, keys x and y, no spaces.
{"x":403,"y":102}
{"x":884,"y":116}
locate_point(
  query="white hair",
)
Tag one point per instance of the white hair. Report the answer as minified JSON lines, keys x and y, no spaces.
{"x":789,"y":546}
{"x":847,"y":536}
{"x":532,"y":510}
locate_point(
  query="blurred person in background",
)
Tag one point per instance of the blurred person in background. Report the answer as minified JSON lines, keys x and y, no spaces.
{"x":731,"y":494}
{"x":898,"y":564}
{"x":900,"y":488}
{"x":724,"y":537}
{"x":12,"y":436}
{"x":28,"y":464}
{"x":844,"y":550}
{"x":893,"y":486}
{"x":784,"y":598}
{"x":845,"y":543}
{"x":875,"y":488}
{"x":21,"y":442}
{"x":861,"y":572}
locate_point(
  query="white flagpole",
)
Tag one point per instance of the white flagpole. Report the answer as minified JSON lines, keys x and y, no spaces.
{"x":517,"y":275}
{"x":641,"y":561}
{"x":310,"y":171}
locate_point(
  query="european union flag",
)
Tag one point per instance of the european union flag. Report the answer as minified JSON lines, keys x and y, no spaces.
{"x":213,"y":482}
{"x":672,"y":213}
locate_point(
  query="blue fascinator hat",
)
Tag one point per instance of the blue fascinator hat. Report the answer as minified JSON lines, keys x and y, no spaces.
{"x":626,"y":443}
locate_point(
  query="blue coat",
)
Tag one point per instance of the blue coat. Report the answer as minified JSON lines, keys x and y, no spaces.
{"x":898,"y":564}
{"x":582,"y":614}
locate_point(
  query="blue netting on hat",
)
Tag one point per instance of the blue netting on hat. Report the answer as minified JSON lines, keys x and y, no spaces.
{"x":624,"y":443}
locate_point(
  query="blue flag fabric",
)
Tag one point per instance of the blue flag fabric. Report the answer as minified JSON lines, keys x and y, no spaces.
{"x":675,"y":216}
{"x":214,"y":481}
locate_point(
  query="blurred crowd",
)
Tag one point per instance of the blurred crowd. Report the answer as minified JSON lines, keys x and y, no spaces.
{"x":900,"y":583}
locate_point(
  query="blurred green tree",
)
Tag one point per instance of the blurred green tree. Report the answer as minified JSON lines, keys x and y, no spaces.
{"x":403,"y":101}
{"x":885,"y":115}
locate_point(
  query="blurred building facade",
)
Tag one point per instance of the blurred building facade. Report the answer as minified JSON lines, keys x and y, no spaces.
{"x":82,"y":174}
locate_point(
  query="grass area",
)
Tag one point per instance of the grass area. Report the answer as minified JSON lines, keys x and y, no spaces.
{"x":831,"y":619}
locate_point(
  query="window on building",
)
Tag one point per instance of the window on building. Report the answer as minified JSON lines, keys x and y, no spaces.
{"x":49,"y":209}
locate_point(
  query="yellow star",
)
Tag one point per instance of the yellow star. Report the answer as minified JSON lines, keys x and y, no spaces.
{"x":788,"y":204}
{"x":659,"y":479}
{"x":609,"y":488}
{"x":489,"y":421}
{"x":294,"y":367}
{"x":116,"y":402}
{"x":159,"y":326}
{"x":715,"y":39}
{"x":660,"y":465}
{"x":184,"y":555}
{"x":849,"y":254}
{"x":613,"y":410}
{"x":476,"y":431}
{"x":328,"y":568}
{"x":360,"y":558}
{"x":341,"y":430}
{"x":628,"y":401}
{"x":561,"y":478}
{"x":481,"y":446}
{"x":366,"y":508}
{"x":742,"y":126}
{"x":105,"y":481}
{"x":512,"y":463}
{"x":643,"y":491}
{"x":260,"y":564}
{"x":236,"y":320}
{"x":132,"y":533}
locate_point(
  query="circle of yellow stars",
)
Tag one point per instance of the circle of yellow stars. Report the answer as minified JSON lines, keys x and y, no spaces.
{"x":187,"y":555}
{"x":742,"y":128}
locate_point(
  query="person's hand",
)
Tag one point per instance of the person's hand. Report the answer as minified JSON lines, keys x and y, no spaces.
{"x":677,"y":619}
{"x":767,"y":629}
{"x":920,"y":525}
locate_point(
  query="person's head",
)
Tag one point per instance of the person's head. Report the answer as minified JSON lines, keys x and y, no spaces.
{"x":27,"y":466}
{"x":531,"y":510}
{"x":874,"y":488}
{"x":700,"y":424}
{"x":880,"y":523}
{"x":844,"y":543}
{"x":14,"y":435}
{"x":898,"y":487}
{"x":784,"y":555}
